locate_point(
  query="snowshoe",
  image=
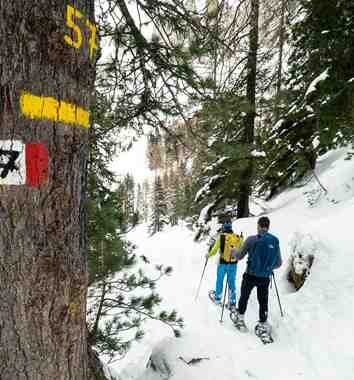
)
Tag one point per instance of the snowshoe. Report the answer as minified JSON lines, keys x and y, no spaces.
{"x":238,"y":321}
{"x":264,"y":332}
{"x":213,"y":299}
{"x":231,"y":307}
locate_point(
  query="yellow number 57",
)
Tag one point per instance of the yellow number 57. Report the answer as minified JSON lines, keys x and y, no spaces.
{"x":76,"y":38}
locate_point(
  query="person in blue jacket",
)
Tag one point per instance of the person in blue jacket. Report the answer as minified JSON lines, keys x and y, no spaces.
{"x":263,"y":257}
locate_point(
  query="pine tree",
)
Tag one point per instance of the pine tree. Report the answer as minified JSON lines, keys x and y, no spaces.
{"x":319,"y":115}
{"x":174,"y":211}
{"x":121,"y":295}
{"x":146,"y":196}
{"x":224,"y":167}
{"x":249,"y":120}
{"x":126,"y":191}
{"x":159,"y":207}
{"x":115,"y":298}
{"x":154,"y":154}
{"x":139,"y":208}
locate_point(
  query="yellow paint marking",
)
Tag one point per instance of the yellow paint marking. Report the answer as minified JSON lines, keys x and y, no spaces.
{"x":71,"y":14}
{"x":92,"y":40}
{"x":49,"y":108}
{"x":40,"y":107}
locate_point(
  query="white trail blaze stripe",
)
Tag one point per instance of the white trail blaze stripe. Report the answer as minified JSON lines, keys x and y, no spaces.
{"x":23,"y":164}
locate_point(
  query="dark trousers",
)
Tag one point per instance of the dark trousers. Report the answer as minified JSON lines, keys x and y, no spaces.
{"x":262,"y":284}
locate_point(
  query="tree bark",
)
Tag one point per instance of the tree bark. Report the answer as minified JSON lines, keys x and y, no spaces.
{"x":248,"y":137}
{"x":280,"y":60}
{"x":42,"y":247}
{"x":281,"y":47}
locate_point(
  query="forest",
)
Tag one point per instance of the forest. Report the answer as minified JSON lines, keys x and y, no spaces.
{"x":237,"y":99}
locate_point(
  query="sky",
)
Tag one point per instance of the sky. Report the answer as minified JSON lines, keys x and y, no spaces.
{"x":133,"y":161}
{"x":313,"y":341}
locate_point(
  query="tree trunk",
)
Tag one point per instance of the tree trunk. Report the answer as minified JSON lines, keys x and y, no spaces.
{"x":248,"y":137}
{"x":46,"y":80}
{"x":280,"y":60}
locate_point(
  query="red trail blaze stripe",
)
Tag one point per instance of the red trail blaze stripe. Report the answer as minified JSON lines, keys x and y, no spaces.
{"x":36,"y":164}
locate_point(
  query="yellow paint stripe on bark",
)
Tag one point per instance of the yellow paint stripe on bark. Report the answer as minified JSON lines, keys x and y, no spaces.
{"x":41,"y":107}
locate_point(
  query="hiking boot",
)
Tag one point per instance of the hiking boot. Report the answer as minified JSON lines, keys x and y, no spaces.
{"x":262,"y":328}
{"x":233,"y":308}
{"x":238,"y":320}
{"x":236,"y":316}
{"x":217,"y":301}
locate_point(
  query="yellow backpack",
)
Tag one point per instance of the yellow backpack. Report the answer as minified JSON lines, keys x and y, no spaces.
{"x":229,"y":241}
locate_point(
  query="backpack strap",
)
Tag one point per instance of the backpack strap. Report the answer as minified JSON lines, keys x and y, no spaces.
{"x":222,"y":243}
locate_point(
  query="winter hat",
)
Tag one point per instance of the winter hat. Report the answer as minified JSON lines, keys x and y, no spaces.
{"x":227,"y":227}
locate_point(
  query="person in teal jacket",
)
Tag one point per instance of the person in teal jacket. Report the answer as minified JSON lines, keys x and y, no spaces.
{"x":227,"y":265}
{"x":264,"y":256}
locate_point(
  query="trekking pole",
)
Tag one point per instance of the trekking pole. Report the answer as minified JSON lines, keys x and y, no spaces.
{"x":276,"y":289}
{"x":200,"y":283}
{"x":223,"y":302}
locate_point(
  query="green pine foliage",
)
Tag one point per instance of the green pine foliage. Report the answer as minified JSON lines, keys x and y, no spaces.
{"x":107,"y":250}
{"x":119,"y":306}
{"x":121,"y":295}
{"x":126,"y":191}
{"x":159,"y":217}
{"x":225,"y":157}
{"x":319,"y":115}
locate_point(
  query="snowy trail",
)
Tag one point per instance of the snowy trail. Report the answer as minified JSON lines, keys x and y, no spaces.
{"x":314,"y":339}
{"x":232,"y":354}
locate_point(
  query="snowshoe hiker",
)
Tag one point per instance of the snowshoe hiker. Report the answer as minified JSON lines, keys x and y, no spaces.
{"x":226,"y":241}
{"x":264,"y":332}
{"x":263,"y":257}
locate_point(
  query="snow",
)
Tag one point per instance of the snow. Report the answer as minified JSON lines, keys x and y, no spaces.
{"x":278,"y":124}
{"x":256,"y":153}
{"x":315,"y":82}
{"x":215,"y":165}
{"x":316,"y":142}
{"x":205,"y":188}
{"x":203,"y":213}
{"x":313,"y":341}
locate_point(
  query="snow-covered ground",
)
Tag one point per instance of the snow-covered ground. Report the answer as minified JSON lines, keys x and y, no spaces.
{"x":314,"y":339}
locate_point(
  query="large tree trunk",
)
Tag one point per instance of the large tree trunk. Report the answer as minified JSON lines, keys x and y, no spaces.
{"x":42,"y":253}
{"x":248,"y":137}
{"x":280,"y":59}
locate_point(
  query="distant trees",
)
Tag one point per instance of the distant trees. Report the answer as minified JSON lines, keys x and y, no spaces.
{"x":128,"y":193}
{"x":139,"y":83}
{"x":121,"y":295}
{"x":158,"y":208}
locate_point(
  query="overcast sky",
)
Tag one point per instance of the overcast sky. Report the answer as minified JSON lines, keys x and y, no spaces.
{"x":133,"y":161}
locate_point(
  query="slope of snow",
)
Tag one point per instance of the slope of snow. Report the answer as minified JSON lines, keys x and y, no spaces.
{"x":313,"y":341}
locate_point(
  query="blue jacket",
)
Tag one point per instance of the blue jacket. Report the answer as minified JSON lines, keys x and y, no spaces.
{"x":263,"y":254}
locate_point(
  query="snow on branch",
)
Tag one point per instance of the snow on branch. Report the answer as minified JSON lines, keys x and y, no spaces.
{"x":206,"y":188}
{"x":323,"y":76}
